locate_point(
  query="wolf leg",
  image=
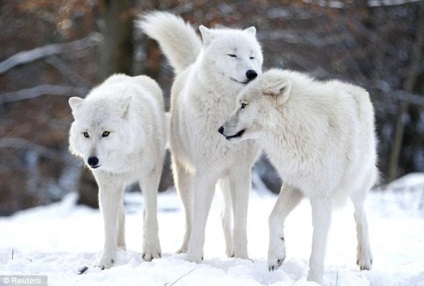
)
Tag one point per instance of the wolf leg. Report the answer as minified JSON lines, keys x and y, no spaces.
{"x":364,"y":255}
{"x":321,"y":220}
{"x":240,"y":183}
{"x":111,"y":195}
{"x":184,"y":184}
{"x":204,"y":187}
{"x":226,"y":215}
{"x":149,"y":186}
{"x":121,"y":228}
{"x":287,"y":200}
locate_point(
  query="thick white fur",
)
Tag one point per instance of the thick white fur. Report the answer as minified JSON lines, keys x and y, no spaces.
{"x":132,"y":110}
{"x":203,"y":97}
{"x":320,"y":137}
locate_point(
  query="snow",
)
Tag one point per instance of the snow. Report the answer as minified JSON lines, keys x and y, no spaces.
{"x":60,"y":239}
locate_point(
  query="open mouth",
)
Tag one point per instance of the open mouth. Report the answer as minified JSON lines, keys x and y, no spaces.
{"x":238,"y":134}
{"x":241,"y":82}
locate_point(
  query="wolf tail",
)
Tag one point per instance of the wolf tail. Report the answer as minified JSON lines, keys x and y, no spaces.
{"x":177,"y":39}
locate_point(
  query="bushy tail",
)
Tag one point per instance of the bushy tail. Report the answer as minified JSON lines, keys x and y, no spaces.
{"x":177,"y":39}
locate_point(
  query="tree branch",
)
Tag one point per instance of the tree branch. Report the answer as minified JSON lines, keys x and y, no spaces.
{"x":405,"y":96}
{"x":53,"y":49}
{"x":29,"y":93}
{"x":19,"y":143}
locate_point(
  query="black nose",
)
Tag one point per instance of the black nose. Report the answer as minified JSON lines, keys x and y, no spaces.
{"x":221,"y":130}
{"x":251,"y":74}
{"x":93,"y":161}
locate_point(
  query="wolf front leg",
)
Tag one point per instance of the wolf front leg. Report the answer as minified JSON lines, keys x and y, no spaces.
{"x":227,"y":215}
{"x":287,"y":200}
{"x":240,"y":182}
{"x":149,"y":184}
{"x":204,"y":187}
{"x":321,"y":220}
{"x":121,"y":228}
{"x":111,"y":194}
{"x":184,"y":184}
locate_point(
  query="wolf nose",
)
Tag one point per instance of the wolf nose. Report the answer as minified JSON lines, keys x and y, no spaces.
{"x":221,"y":130}
{"x":93,"y":161}
{"x":251,"y":74}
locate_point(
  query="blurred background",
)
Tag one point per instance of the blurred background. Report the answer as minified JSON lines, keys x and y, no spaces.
{"x":52,"y":50}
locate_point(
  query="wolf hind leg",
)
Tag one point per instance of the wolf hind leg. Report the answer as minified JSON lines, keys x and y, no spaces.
{"x":321,"y":220}
{"x":364,"y":256}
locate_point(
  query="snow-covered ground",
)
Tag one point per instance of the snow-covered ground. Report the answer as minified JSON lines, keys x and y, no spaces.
{"x":58,"y":240}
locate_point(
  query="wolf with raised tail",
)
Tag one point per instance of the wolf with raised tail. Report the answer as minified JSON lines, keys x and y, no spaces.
{"x":210,"y":71}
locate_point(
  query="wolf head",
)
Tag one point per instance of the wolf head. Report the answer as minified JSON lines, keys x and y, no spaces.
{"x":231,"y":55}
{"x":101,"y":133}
{"x":257,"y":102}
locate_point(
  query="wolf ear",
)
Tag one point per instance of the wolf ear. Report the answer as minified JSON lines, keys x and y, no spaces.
{"x":125,"y":107}
{"x":207,"y":35}
{"x":251,"y":31}
{"x":280,"y":88}
{"x":75,"y":103}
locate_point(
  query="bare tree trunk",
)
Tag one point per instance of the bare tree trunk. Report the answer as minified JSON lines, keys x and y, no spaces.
{"x":408,"y":87}
{"x":116,"y":50}
{"x":116,"y":56}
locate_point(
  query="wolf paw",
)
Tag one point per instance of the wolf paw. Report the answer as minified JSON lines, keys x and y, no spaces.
{"x":275,"y":262}
{"x":150,"y":255}
{"x":364,"y":257}
{"x":364,"y":262}
{"x":106,"y":261}
{"x":194,"y":257}
{"x":242,"y":255}
{"x":151,"y":251}
{"x":183,"y":249}
{"x":276,"y":252}
{"x":151,"y":248}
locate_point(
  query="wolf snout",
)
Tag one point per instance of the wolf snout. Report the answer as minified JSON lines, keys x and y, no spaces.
{"x":230,"y":137}
{"x":251,"y":74}
{"x":93,"y":161}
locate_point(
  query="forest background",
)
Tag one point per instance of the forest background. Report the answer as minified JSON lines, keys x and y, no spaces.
{"x":52,"y":50}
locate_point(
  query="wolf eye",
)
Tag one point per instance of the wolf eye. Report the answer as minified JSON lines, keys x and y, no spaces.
{"x":232,"y":55}
{"x":252,"y":58}
{"x":243,"y":105}
{"x":86,"y":134}
{"x":105,"y":134}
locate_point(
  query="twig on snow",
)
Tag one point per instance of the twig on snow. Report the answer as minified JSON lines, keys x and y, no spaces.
{"x":173,"y":283}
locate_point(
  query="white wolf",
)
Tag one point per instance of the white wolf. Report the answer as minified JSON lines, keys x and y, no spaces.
{"x":320,"y":137}
{"x":119,"y":132}
{"x":209,"y":74}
